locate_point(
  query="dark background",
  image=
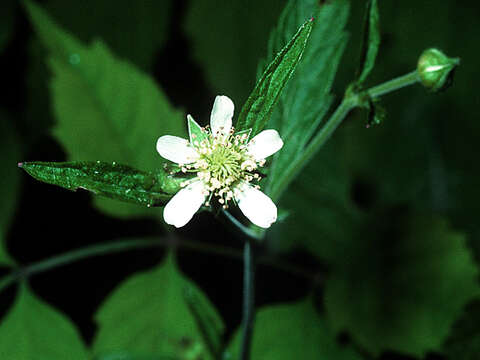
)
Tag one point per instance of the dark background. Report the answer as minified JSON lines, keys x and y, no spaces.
{"x":49,"y":220}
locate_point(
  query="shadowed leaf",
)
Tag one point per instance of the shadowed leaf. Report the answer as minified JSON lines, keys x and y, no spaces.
{"x":34,"y":330}
{"x":134,"y":30}
{"x":106,"y":109}
{"x":227,"y":41}
{"x":371,"y":41}
{"x":9,"y":181}
{"x":150,"y":314}
{"x":292,"y":331}
{"x":464,"y":340}
{"x":401,"y":286}
{"x":306,"y":98}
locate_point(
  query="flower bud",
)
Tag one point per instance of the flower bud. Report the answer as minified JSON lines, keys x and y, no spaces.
{"x":435,"y":69}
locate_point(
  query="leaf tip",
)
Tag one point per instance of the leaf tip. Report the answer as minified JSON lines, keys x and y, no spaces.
{"x":20,"y":164}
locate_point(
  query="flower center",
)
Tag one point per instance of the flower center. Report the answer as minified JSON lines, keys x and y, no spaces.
{"x":224,"y":164}
{"x":224,"y":161}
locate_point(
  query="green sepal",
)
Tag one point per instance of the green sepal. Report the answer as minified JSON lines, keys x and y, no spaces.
{"x":110,"y":180}
{"x":371,"y":41}
{"x":246,"y":131}
{"x":257,"y":110}
{"x":195,"y":132}
{"x":376,"y":113}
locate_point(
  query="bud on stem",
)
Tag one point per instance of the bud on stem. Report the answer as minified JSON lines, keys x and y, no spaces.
{"x":435,"y":69}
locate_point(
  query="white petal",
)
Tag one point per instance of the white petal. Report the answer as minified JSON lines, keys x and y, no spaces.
{"x":176,"y":149}
{"x":266,"y":143}
{"x":222,"y":113}
{"x":181,"y":208}
{"x":255,"y":205}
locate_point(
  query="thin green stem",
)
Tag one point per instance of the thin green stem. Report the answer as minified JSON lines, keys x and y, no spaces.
{"x":125,"y":245}
{"x":76,"y":255}
{"x":320,"y":138}
{"x":394,"y":84}
{"x":248,"y":300}
{"x":245,"y":230}
{"x":349,"y":102}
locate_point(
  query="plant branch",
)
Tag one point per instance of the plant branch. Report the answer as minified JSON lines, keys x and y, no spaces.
{"x":320,"y":138}
{"x":350,"y":101}
{"x":130,"y":244}
{"x":248,"y":300}
{"x":394,"y":84}
{"x":242,"y":228}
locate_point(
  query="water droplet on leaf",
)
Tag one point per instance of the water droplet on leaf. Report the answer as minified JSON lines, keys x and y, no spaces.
{"x":74,"y":59}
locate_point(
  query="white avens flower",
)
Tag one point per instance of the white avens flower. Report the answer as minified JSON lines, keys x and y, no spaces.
{"x":225,"y":164}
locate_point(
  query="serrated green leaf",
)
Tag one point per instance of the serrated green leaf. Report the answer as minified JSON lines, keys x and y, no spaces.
{"x":371,"y":41}
{"x":306,"y":98}
{"x":34,"y":330}
{"x":112,"y":180}
{"x":150,"y":313}
{"x":227,"y":41}
{"x":257,"y":110}
{"x":10,"y":154}
{"x":292,"y":331}
{"x":195,"y":132}
{"x":105,"y":108}
{"x":134,"y":30}
{"x":401,"y":285}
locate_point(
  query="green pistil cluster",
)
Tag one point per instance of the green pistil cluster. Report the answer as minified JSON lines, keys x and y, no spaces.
{"x":224,"y":162}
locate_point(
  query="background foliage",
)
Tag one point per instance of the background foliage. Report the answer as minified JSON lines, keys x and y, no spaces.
{"x":377,"y":252}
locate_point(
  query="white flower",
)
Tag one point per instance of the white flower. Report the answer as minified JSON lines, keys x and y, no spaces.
{"x":225,"y":164}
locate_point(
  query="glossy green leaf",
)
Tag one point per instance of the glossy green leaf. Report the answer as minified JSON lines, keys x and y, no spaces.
{"x":227,"y":41}
{"x":134,"y":30}
{"x":10,"y":154}
{"x":306,"y":98}
{"x":257,"y":110}
{"x":371,"y":41}
{"x":401,"y":285}
{"x":152,"y":313}
{"x":292,"y":331}
{"x":34,"y":330}
{"x":111,"y":180}
{"x":105,"y":108}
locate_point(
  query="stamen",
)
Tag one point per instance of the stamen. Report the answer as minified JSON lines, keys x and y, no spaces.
{"x":223,"y":161}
